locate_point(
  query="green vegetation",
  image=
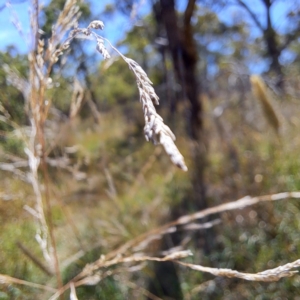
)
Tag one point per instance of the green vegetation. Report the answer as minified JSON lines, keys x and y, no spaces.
{"x":104,"y":186}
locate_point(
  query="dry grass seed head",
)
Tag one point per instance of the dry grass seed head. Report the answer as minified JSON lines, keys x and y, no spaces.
{"x":261,"y":94}
{"x":155,"y":130}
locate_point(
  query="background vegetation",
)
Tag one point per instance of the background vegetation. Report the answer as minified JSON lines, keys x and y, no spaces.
{"x":101,"y":185}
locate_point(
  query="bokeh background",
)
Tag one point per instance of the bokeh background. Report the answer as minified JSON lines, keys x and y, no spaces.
{"x":228,"y":77}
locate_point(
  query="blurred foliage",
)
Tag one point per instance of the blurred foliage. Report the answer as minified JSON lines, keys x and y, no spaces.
{"x":51,"y":12}
{"x":11,"y":99}
{"x":130,"y":185}
{"x":115,"y":85}
{"x":13,"y":145}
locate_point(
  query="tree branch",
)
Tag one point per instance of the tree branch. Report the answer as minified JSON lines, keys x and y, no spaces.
{"x":290,"y":37}
{"x":190,"y":8}
{"x":251,"y":13}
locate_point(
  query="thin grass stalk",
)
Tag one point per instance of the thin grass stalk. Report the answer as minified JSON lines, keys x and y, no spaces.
{"x":265,"y":276}
{"x":95,"y":278}
{"x":5,"y":279}
{"x":50,"y":217}
{"x":34,"y":259}
{"x":42,"y":230}
{"x":73,"y":295}
{"x":120,"y":254}
{"x":171,"y":226}
{"x":39,"y":111}
{"x":40,"y":66}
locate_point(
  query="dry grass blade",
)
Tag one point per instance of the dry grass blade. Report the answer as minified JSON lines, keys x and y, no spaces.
{"x":103,"y":263}
{"x":34,"y":258}
{"x":206,"y":225}
{"x":4,"y":279}
{"x":73,"y":295}
{"x":10,"y":167}
{"x":239,"y":204}
{"x":117,"y":256}
{"x":89,"y":276}
{"x":267,"y":275}
{"x":42,"y":56}
{"x":67,"y":19}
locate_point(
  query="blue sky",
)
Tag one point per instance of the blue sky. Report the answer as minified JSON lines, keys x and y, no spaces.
{"x":8,"y":33}
{"x":119,"y":24}
{"x":114,"y":30}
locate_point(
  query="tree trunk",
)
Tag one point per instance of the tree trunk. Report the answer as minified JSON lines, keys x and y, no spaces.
{"x":183,"y":50}
{"x":273,"y":49}
{"x":271,"y":39}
